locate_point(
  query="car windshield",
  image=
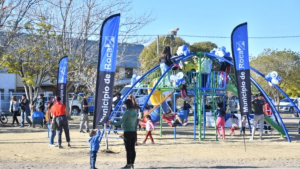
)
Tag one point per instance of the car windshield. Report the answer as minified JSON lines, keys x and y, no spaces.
{"x":286,"y":100}
{"x":124,"y":90}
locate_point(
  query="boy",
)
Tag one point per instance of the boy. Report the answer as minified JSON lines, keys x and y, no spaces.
{"x":94,"y":145}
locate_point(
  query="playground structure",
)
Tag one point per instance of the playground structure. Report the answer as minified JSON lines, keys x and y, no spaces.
{"x":216,"y":85}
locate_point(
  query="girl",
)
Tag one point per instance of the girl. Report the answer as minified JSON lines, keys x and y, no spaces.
{"x":243,"y":129}
{"x":234,"y":125}
{"x":183,"y":92}
{"x":165,"y":62}
{"x":221,"y":120}
{"x":14,"y":109}
{"x":149,"y":128}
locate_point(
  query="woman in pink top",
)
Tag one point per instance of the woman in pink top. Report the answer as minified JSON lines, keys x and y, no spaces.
{"x":149,"y":128}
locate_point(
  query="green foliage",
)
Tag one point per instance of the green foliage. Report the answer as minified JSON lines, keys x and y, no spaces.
{"x":203,"y":46}
{"x":149,"y":57}
{"x":286,"y":63}
{"x":32,"y":58}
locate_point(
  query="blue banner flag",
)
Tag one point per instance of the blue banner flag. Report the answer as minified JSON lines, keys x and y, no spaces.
{"x":239,"y":45}
{"x":62,"y":79}
{"x":106,"y":69}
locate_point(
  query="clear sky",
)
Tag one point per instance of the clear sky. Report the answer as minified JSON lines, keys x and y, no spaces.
{"x":219,"y":17}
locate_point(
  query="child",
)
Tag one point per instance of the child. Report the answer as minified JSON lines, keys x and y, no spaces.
{"x":172,"y":119}
{"x":149,"y":128}
{"x":243,"y":129}
{"x":234,"y":125}
{"x":183,"y":92}
{"x":221,"y":120}
{"x":94,"y":145}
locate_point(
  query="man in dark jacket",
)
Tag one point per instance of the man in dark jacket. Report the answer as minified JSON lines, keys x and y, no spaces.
{"x":24,"y":104}
{"x":41,"y":103}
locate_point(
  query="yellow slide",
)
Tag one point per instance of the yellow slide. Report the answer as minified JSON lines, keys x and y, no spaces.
{"x":155,"y":97}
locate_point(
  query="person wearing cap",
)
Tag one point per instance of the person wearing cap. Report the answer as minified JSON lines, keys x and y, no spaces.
{"x":259,"y":116}
{"x":58,"y":110}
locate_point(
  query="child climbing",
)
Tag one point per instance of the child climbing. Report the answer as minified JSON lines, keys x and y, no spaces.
{"x":172,"y":119}
{"x":183,"y":92}
{"x":165,"y":62}
{"x":220,"y":120}
{"x":243,"y":128}
{"x":234,"y":125}
{"x":149,"y":128}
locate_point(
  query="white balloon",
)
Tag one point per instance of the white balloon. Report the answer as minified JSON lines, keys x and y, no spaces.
{"x":274,"y":74}
{"x":274,"y":81}
{"x":270,"y":84}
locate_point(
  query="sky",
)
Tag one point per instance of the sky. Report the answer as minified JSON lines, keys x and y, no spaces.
{"x":265,"y":18}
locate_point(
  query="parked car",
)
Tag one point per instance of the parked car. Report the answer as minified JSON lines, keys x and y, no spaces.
{"x":286,"y":106}
{"x":76,"y":105}
{"x":139,"y":94}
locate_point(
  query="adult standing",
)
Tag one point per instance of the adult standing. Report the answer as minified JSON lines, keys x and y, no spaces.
{"x":84,"y":114}
{"x":128,"y":123}
{"x":58,"y":110}
{"x":51,"y":120}
{"x":14,"y":109}
{"x":233,"y":105}
{"x":118,"y":99}
{"x":24,"y":104}
{"x":259,"y":116}
{"x":41,"y":103}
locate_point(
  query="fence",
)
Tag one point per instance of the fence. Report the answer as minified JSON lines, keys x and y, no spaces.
{"x":6,"y":97}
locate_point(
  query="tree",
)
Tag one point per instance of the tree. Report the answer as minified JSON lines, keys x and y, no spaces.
{"x":13,"y":14}
{"x":286,"y":63}
{"x":206,"y":46}
{"x":149,"y":56}
{"x":32,"y":57}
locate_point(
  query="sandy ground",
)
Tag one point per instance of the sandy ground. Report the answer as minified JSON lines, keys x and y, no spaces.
{"x":27,"y":148}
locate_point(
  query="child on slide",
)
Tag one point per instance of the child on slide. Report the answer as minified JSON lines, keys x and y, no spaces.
{"x":172,"y":118}
{"x":234,"y":125}
{"x":149,"y":129}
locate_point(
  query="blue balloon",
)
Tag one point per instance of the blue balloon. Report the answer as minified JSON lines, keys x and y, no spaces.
{"x":279,"y":78}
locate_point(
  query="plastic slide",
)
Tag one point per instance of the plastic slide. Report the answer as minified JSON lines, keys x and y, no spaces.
{"x":161,"y":102}
{"x":157,"y":99}
{"x":233,"y":89}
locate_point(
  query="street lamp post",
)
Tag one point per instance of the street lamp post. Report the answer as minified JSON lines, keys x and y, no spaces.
{"x":172,"y":33}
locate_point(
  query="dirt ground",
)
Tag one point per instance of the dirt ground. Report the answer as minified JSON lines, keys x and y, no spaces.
{"x":27,"y":148}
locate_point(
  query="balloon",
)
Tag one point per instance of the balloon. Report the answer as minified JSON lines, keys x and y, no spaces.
{"x":274,"y":81}
{"x":273,"y":74}
{"x":279,"y":78}
{"x":183,"y":50}
{"x":270,"y":84}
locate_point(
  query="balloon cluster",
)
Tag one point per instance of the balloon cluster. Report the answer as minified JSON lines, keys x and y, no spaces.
{"x":273,"y":78}
{"x":178,"y":79}
{"x":221,"y":52}
{"x":134,"y":78}
{"x":183,"y":50}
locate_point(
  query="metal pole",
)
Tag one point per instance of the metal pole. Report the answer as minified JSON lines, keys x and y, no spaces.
{"x":106,"y":138}
{"x":160,"y":112}
{"x":1,"y":100}
{"x":174,"y":108}
{"x":172,"y":39}
{"x":157,"y":45}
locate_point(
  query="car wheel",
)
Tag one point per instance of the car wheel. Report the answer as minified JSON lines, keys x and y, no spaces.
{"x":292,"y":109}
{"x":75,"y":111}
